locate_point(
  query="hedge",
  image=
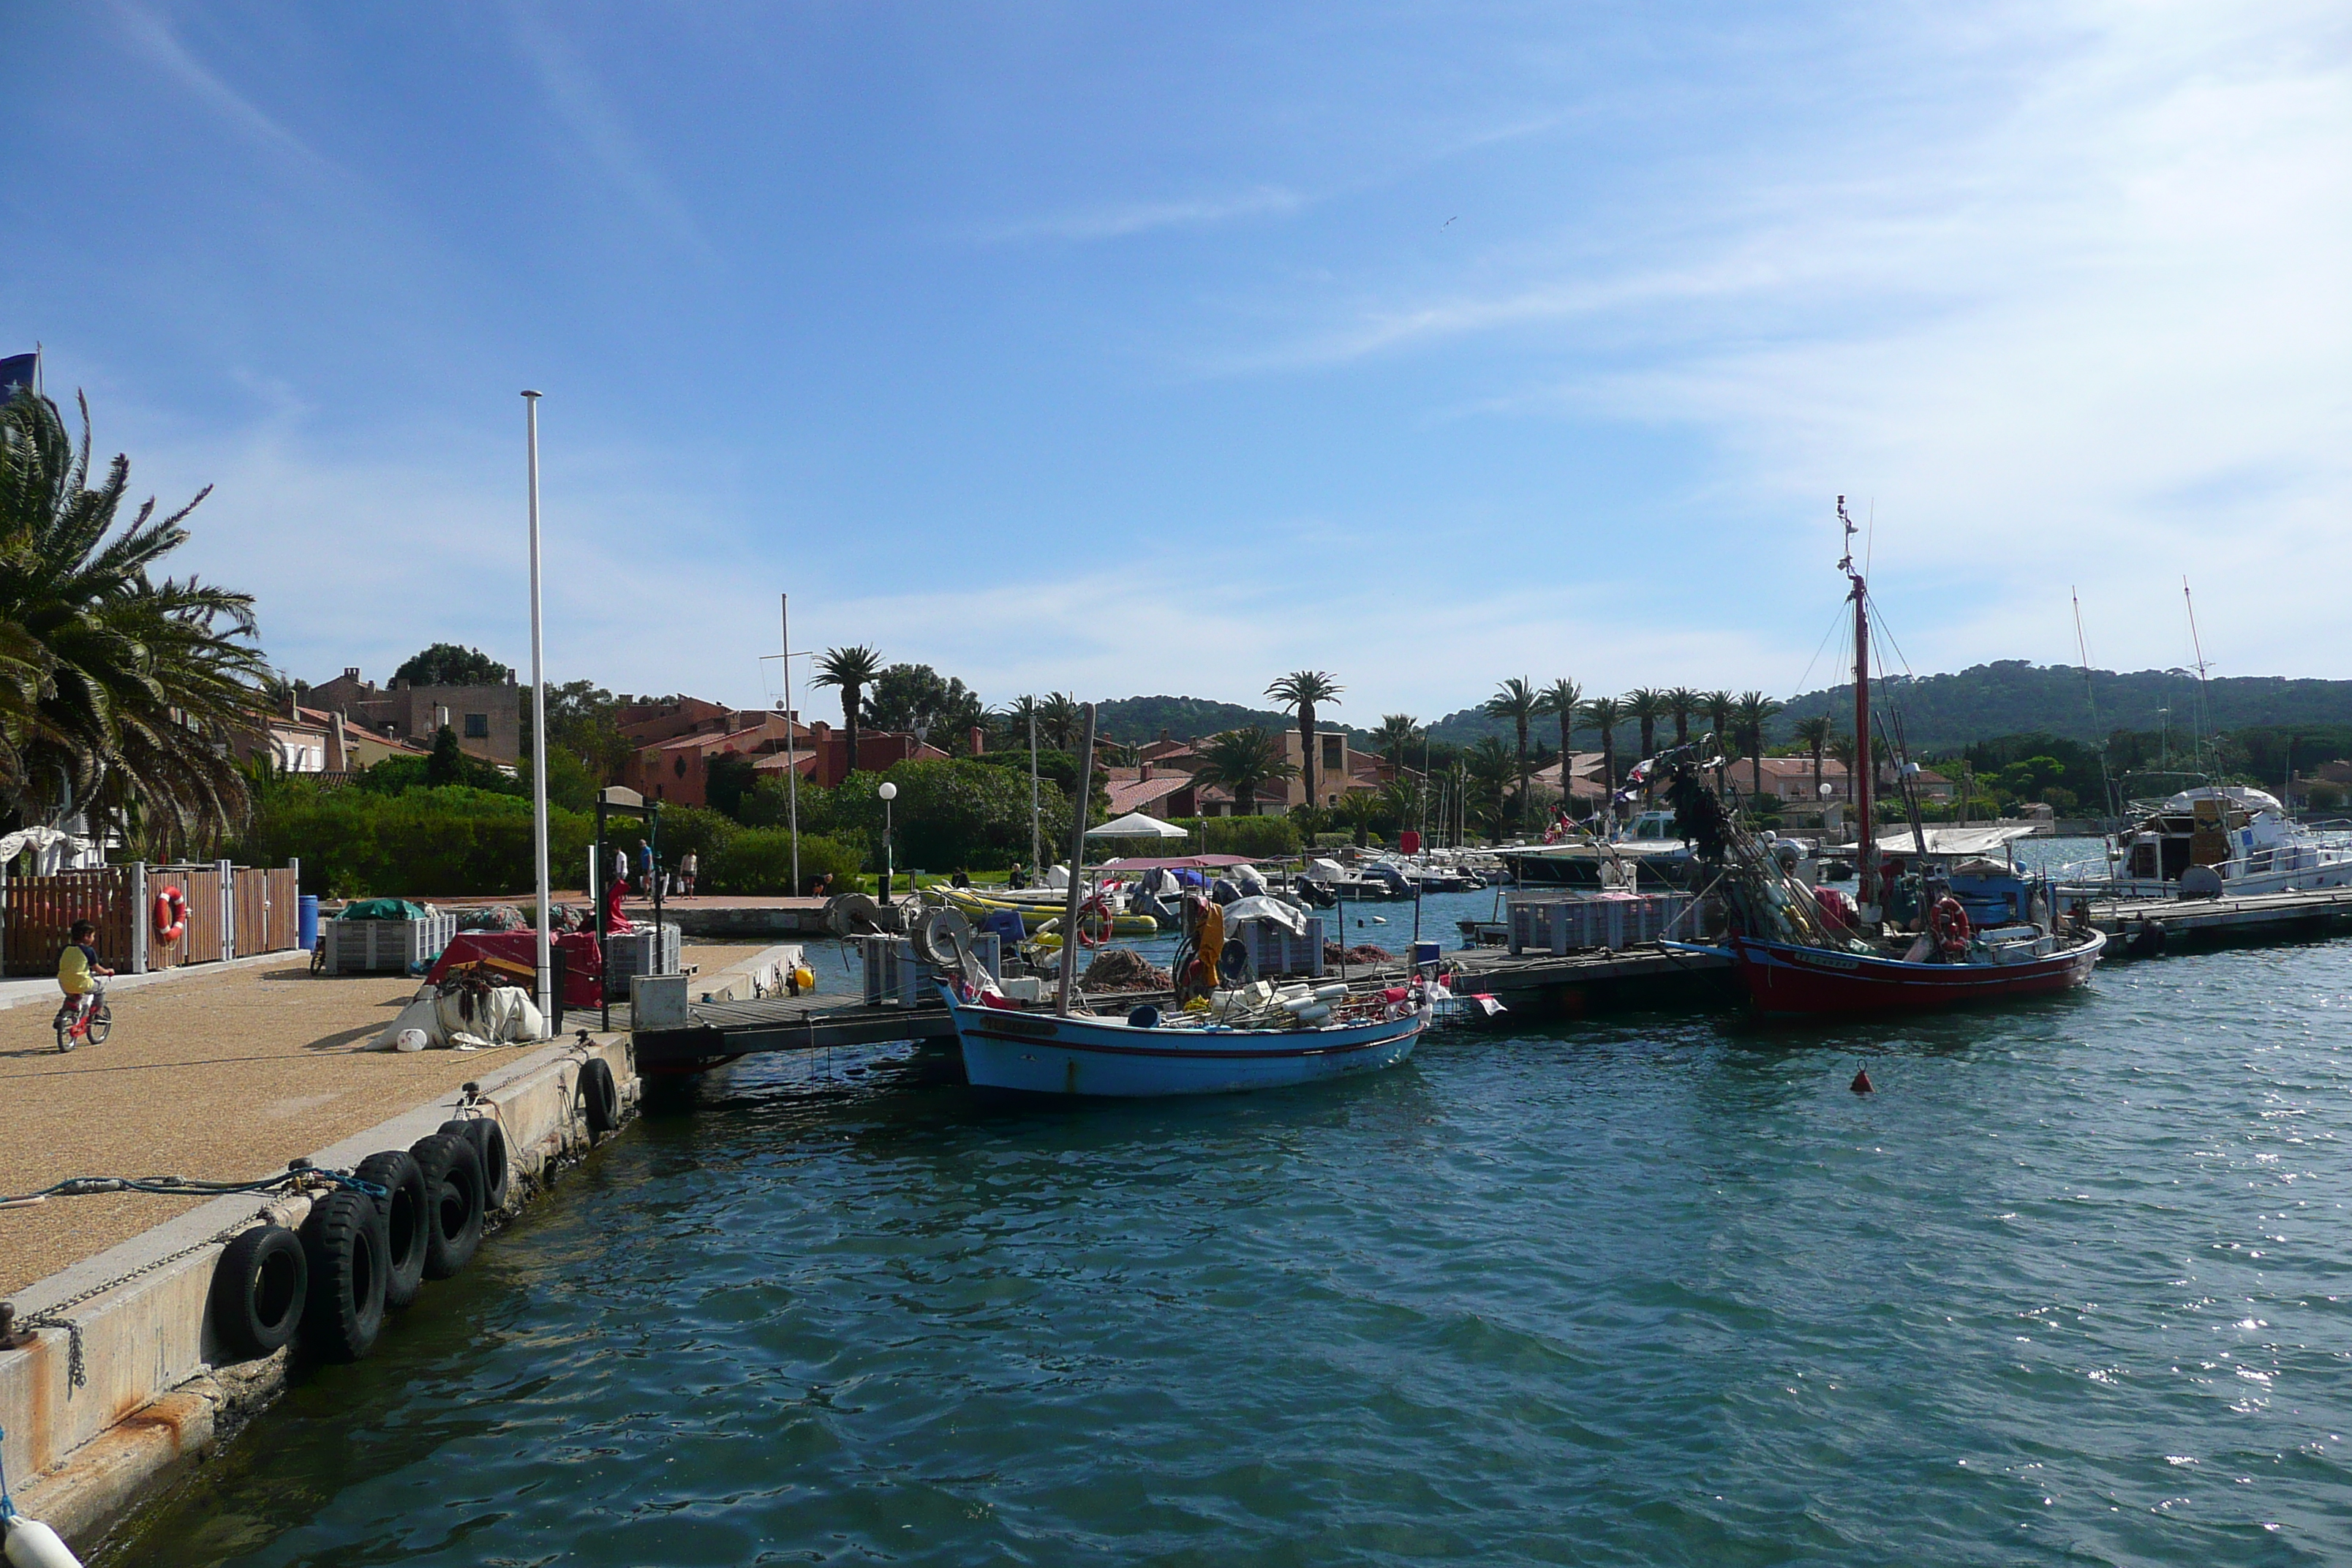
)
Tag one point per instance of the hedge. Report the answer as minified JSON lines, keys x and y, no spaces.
{"x":760,"y":860}
{"x":425,"y":842}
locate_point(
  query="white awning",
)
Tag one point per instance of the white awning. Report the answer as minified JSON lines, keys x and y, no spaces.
{"x":1135,"y":824}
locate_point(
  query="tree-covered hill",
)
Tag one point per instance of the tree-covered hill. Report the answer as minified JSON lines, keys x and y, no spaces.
{"x":2014,"y":697}
{"x":1134,"y":720}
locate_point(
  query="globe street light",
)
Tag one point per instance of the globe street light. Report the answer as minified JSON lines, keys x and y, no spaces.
{"x":889,"y":791}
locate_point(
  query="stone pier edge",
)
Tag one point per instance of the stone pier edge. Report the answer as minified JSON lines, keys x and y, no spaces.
{"x":157,"y":1393}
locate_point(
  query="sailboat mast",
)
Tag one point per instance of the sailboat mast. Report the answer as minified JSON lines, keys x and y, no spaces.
{"x":1865,"y":771}
{"x":2204,"y":703}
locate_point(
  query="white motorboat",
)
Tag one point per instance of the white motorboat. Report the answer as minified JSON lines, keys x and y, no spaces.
{"x":2208,"y":841}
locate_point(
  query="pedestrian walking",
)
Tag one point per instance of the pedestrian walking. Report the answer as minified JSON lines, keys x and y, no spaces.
{"x":689,"y":868}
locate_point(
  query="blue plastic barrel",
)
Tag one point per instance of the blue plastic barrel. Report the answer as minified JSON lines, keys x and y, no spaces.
{"x":306,"y":924}
{"x":1423,"y":952}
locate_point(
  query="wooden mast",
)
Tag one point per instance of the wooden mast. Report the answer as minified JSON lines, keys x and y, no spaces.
{"x":1865,"y":767}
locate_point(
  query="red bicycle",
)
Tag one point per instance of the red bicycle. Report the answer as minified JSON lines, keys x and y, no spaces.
{"x":93,"y":1023}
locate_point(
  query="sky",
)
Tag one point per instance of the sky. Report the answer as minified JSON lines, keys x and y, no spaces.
{"x":1160,"y":348}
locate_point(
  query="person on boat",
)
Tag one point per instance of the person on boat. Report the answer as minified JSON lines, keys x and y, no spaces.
{"x":1018,"y":877}
{"x":962,"y":878}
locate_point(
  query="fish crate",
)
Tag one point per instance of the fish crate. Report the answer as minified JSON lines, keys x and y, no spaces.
{"x":1273,"y":951}
{"x":1559,"y":925}
{"x":402,"y":947}
{"x":641,"y":952}
{"x":895,"y":977}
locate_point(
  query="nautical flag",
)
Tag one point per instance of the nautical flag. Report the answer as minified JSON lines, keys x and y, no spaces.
{"x":16,"y":371}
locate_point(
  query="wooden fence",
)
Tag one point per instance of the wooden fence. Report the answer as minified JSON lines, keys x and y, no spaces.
{"x":247,"y":911}
{"x":41,"y":911}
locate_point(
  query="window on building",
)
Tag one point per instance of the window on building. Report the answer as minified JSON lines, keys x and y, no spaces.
{"x":478,"y":726}
{"x":680,"y":764}
{"x":1333,"y":746}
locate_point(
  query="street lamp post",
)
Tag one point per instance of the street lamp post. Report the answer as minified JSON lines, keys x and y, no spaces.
{"x":889,"y":791}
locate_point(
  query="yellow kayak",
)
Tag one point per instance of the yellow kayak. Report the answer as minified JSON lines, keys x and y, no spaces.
{"x":1032,"y":916}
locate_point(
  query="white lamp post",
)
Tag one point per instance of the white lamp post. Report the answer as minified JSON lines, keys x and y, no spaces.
{"x":889,"y":791}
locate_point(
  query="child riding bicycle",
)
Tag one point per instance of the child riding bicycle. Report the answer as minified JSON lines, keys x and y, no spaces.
{"x":78,"y":970}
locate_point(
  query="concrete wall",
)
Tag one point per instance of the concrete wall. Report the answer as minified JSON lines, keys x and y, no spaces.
{"x":157,"y":1391}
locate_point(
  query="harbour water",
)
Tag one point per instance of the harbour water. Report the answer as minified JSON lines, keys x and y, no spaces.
{"x":2069,"y":1286}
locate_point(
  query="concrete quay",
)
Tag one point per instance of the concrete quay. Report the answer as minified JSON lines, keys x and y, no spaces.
{"x":157,"y":1389}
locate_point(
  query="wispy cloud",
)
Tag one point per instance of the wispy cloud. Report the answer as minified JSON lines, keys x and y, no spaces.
{"x":154,"y":37}
{"x":1117,"y":220}
{"x":579,"y":100}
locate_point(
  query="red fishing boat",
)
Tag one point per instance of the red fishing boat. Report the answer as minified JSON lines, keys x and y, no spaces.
{"x":1787,"y":979}
{"x":1802,"y":954}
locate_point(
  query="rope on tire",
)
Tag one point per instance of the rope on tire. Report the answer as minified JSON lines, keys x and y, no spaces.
{"x":298,"y":1175}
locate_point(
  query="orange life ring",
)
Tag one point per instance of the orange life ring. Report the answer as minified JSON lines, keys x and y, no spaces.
{"x":171,"y":914}
{"x":1950,"y":923}
{"x":1098,"y":932}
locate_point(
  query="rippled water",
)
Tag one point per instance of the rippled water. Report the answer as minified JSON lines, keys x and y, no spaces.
{"x":2071,"y":1286}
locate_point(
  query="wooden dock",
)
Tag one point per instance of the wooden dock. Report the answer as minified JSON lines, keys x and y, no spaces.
{"x":2254,"y":916}
{"x":813,"y":1022}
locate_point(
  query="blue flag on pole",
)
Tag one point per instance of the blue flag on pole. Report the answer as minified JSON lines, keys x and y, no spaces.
{"x":15,"y":372}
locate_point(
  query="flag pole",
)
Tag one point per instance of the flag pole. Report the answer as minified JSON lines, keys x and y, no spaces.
{"x":538,"y":720}
{"x":791,"y":770}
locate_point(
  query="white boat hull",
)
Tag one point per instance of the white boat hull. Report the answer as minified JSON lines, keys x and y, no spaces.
{"x":1037,"y":1053}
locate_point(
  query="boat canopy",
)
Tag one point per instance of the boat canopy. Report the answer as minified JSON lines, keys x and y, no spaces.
{"x":2239,"y":794}
{"x":1174,"y":863}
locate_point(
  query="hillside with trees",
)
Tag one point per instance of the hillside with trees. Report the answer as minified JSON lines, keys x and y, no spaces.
{"x":2015,"y":697}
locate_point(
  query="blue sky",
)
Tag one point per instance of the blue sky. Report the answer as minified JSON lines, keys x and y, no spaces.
{"x":1165,"y":348}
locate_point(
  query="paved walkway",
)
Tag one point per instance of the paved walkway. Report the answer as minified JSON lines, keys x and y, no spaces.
{"x":224,"y":1072}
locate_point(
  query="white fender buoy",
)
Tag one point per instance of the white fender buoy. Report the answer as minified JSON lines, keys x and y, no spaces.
{"x":32,"y":1544}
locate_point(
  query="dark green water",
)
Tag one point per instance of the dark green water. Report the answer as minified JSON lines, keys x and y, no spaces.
{"x":2071,"y":1287}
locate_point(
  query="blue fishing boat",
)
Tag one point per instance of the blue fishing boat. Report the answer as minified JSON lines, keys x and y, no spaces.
{"x":1038,"y":1051}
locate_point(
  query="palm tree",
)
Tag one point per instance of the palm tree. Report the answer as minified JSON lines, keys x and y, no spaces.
{"x":1682,"y":702}
{"x":1842,"y":747}
{"x":1396,"y":732}
{"x":1359,"y":808}
{"x":850,"y":670}
{"x":1561,"y":699}
{"x":1649,"y":705}
{"x":1814,"y":733}
{"x":1718,"y":706}
{"x":1240,"y":761}
{"x":1751,"y":713}
{"x":1604,"y":714}
{"x":1518,"y":700}
{"x":1301,"y":691}
{"x":1015,"y":716}
{"x":1061,"y":723}
{"x":118,"y":692}
{"x":1487,"y":768}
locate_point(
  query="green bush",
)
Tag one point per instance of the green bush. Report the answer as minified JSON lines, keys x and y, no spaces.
{"x":420,"y":843}
{"x":949,"y":813}
{"x":754,"y":860}
{"x":1259,"y":837}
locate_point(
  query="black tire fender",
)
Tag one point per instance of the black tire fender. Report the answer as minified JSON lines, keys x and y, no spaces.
{"x":489,"y":1141}
{"x":453,"y":1192}
{"x":344,"y":1243}
{"x":598,"y":1096}
{"x":258,"y":1288}
{"x":403,"y":1209}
